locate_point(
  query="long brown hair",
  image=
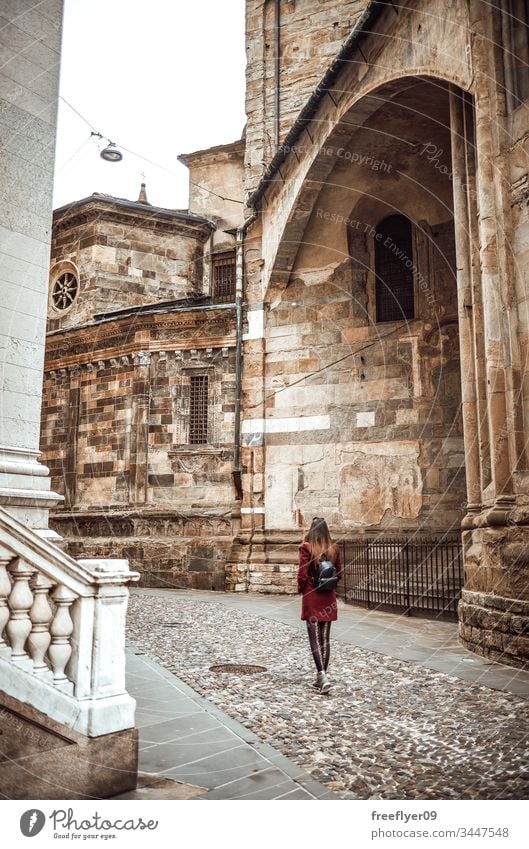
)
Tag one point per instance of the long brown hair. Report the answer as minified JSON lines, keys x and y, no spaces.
{"x":319,"y":539}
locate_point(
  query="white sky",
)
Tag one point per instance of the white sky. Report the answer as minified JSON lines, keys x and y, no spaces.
{"x":159,"y":77}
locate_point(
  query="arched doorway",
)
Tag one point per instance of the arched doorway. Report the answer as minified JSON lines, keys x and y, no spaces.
{"x":364,"y":331}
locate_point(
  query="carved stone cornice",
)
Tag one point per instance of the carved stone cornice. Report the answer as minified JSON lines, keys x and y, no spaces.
{"x":116,"y":341}
{"x":121,"y":327}
{"x":119,"y":211}
{"x":123,"y":356}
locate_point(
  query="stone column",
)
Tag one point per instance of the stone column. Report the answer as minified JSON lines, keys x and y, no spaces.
{"x":465,"y":302}
{"x":494,"y":610}
{"x":70,"y":465}
{"x":497,"y":332}
{"x":139,"y":447}
{"x":477,"y":297}
{"x":27,"y":139}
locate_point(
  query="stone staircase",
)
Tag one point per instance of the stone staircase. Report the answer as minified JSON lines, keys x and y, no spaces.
{"x":67,"y":721}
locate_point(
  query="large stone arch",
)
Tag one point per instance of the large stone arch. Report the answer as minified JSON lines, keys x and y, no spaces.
{"x":322,"y":311}
{"x":361,"y":106}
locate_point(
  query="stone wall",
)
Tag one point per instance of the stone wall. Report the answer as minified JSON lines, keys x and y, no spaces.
{"x":363,"y":420}
{"x":311,"y":34}
{"x":124,"y":254}
{"x":216,"y":184}
{"x":116,"y":438}
{"x":216,"y":191}
{"x":169,"y":547}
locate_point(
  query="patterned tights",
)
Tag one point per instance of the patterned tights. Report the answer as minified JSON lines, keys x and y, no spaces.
{"x":320,"y":645}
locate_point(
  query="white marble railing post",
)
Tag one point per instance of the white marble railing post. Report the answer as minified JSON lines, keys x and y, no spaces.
{"x":20,"y":601}
{"x":110,"y":610}
{"x":41,"y":615}
{"x":61,"y":631}
{"x":5,"y":589}
{"x":79,"y":668}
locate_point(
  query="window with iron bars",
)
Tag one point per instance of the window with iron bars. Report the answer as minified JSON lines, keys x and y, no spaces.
{"x":394,"y":269}
{"x":224,"y":278}
{"x":198,"y":409}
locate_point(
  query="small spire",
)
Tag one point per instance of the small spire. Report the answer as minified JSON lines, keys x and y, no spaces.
{"x":143,"y":195}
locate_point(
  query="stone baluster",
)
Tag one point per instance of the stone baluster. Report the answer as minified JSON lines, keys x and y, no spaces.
{"x":41,"y":615}
{"x":61,"y":631}
{"x":20,"y":600}
{"x":5,"y":589}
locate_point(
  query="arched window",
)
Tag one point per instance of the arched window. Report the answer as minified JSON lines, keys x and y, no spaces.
{"x":394,"y":269}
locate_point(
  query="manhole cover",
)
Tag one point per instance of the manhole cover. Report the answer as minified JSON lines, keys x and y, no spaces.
{"x":238,"y":668}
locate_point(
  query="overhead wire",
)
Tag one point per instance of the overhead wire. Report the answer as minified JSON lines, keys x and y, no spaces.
{"x":145,"y":158}
{"x":79,"y":149}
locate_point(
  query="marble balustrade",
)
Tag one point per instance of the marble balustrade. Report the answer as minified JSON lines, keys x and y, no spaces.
{"x":62,"y":631}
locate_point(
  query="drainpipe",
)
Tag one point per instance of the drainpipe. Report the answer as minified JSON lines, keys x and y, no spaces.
{"x":277,"y":50}
{"x":239,"y":295}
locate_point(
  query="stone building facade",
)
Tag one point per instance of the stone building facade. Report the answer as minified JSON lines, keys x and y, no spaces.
{"x":138,"y":409}
{"x":386,"y":261}
{"x":408,"y":130}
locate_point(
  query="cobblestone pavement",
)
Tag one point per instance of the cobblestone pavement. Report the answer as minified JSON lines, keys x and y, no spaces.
{"x":389,"y":729}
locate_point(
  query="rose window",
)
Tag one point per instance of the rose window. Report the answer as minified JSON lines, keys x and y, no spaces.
{"x":65,"y":291}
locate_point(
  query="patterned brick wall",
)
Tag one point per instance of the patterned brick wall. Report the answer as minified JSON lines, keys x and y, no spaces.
{"x":115,"y":435}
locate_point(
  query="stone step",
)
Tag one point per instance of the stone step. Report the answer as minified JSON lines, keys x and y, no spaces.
{"x":42,"y":759}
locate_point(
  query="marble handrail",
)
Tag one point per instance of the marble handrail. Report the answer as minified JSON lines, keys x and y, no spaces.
{"x":62,"y":631}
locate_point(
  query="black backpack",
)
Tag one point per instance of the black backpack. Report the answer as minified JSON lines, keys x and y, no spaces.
{"x":327,"y":577}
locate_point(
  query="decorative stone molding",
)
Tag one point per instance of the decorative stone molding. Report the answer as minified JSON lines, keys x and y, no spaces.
{"x":25,"y":486}
{"x":142,"y":358}
{"x":118,"y":211}
{"x":199,"y":339}
{"x":193,"y":459}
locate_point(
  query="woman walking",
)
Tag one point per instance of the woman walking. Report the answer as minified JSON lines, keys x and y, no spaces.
{"x":318,"y":609}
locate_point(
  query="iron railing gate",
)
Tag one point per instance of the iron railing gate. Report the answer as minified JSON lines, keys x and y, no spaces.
{"x":414,"y":574}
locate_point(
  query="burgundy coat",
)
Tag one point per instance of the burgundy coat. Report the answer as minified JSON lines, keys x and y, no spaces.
{"x":318,"y":607}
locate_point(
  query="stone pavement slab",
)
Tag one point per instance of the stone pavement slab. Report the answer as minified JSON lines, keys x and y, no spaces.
{"x":191,"y":749}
